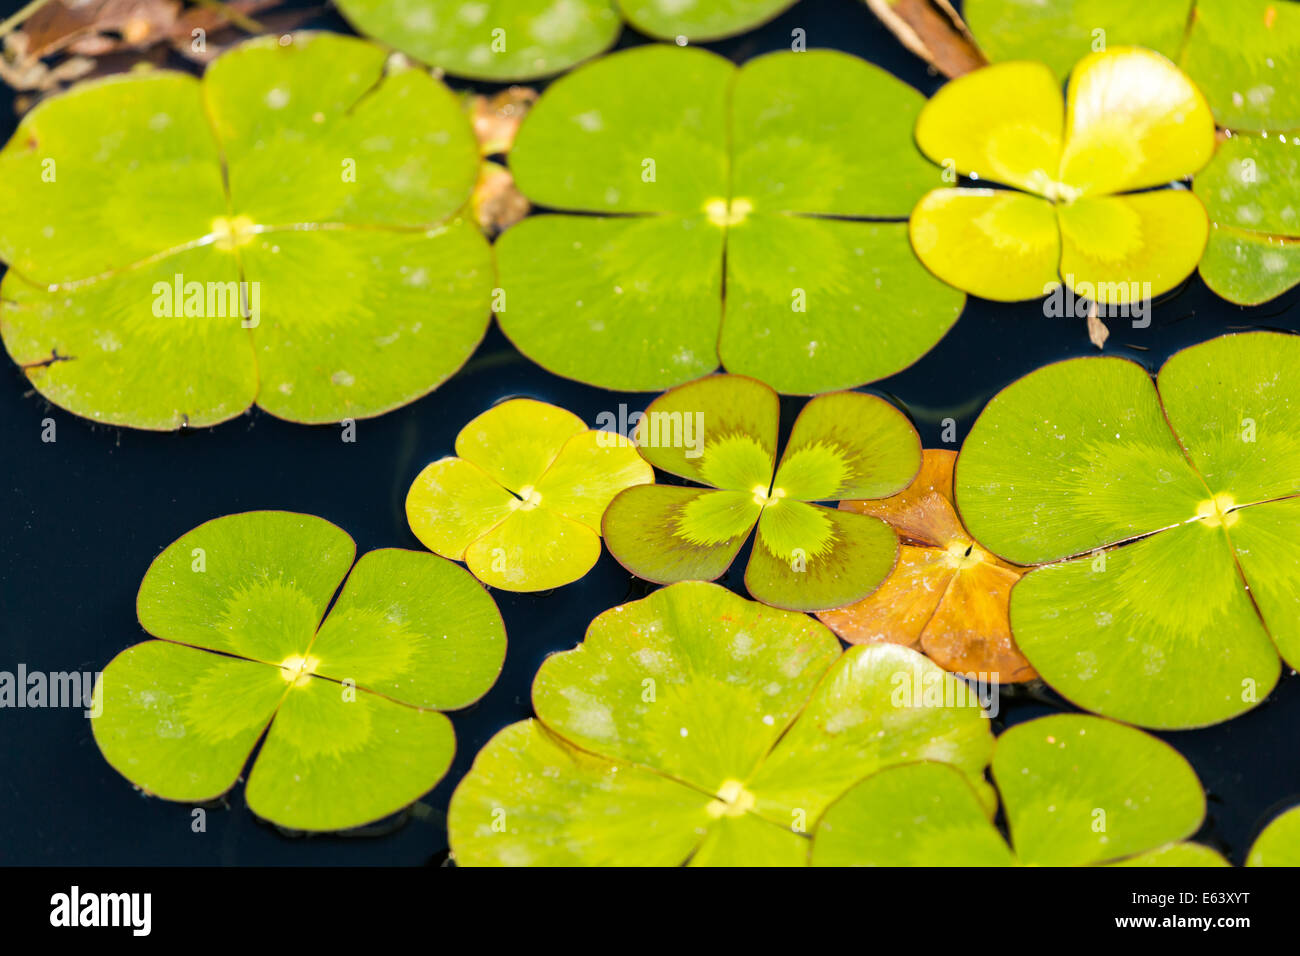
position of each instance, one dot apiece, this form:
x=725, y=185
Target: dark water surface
x=84, y=516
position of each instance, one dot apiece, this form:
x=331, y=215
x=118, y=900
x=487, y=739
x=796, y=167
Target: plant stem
x=7, y=27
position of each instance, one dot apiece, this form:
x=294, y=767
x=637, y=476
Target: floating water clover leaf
x=1244, y=54
x=525, y=39
x=700, y=19
x=682, y=157
x=1087, y=216
x=694, y=725
x=522, y=504
x=347, y=708
x=946, y=596
x=1196, y=477
x=721, y=431
x=1076, y=790
x=1279, y=843
x=283, y=231
x=1252, y=191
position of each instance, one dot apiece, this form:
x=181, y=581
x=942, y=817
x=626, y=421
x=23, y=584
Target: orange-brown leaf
x=898, y=610
x=922, y=513
x=970, y=632
x=947, y=596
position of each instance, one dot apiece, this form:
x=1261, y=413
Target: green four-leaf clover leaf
x=806, y=556
x=702, y=176
x=695, y=726
x=346, y=705
x=284, y=232
x=1166, y=519
x=1076, y=791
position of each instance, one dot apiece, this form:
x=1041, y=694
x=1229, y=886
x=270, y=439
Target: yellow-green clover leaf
x=695, y=726
x=526, y=39
x=1243, y=54
x=1085, y=165
x=1164, y=518
x=1076, y=791
x=1060, y=32
x=721, y=432
x=675, y=176
x=1252, y=191
x=346, y=705
x=284, y=231
x=1279, y=843
x=699, y=20
x=521, y=503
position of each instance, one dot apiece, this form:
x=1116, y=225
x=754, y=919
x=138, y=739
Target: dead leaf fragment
x=934, y=31
x=225, y=24
x=67, y=40
x=1097, y=331
x=497, y=202
x=99, y=26
x=496, y=118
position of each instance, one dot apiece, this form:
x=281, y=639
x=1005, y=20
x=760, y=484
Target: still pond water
x=84, y=516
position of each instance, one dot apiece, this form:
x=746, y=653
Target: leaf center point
x=733, y=800
x=1219, y=510
x=1062, y=193
x=529, y=498
x=960, y=555
x=297, y=669
x=231, y=232
x=763, y=499
x=723, y=213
